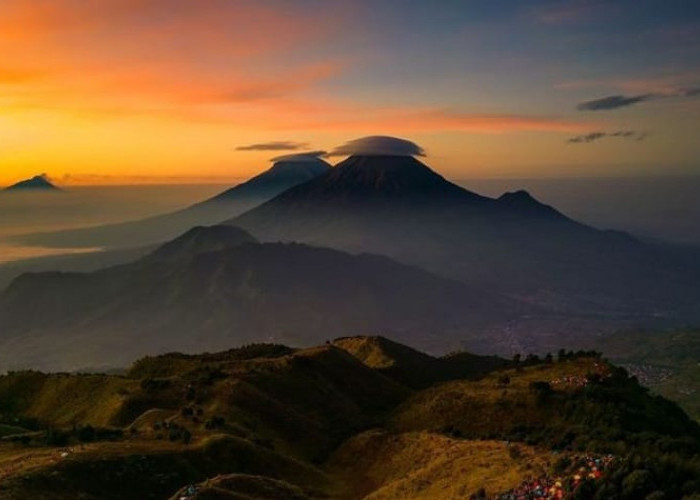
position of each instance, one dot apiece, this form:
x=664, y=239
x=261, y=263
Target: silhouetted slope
x=381, y=179
x=397, y=206
x=198, y=293
x=200, y=240
x=80, y=262
x=281, y=176
x=36, y=183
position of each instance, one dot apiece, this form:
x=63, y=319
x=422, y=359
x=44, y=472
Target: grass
x=142, y=469
x=63, y=400
x=427, y=466
x=322, y=421
x=245, y=487
x=9, y=430
x=684, y=388
x=485, y=407
x=675, y=351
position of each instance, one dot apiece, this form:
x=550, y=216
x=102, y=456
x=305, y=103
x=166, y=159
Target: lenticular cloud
x=306, y=156
x=379, y=145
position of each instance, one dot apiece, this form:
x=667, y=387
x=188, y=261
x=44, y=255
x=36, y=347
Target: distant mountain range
x=215, y=287
x=283, y=174
x=36, y=183
x=448, y=268
x=399, y=207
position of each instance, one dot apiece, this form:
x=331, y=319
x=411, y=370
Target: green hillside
x=266, y=422
x=668, y=362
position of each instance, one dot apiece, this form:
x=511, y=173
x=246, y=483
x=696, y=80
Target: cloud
x=575, y=11
x=379, y=145
x=614, y=102
x=91, y=179
x=305, y=156
x=621, y=101
x=274, y=146
x=690, y=92
x=151, y=56
x=620, y=134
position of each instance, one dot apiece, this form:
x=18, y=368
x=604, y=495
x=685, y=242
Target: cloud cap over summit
x=300, y=157
x=378, y=145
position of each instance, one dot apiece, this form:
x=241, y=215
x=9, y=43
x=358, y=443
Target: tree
x=186, y=436
x=637, y=484
x=86, y=434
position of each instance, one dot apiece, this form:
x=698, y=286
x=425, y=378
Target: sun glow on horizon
x=151, y=91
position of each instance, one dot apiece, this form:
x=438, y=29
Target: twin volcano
x=397, y=206
x=384, y=184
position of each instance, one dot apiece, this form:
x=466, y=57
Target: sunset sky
x=148, y=91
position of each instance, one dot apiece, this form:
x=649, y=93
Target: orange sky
x=116, y=91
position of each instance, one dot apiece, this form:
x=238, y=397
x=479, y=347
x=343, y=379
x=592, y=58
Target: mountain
x=399, y=207
x=36, y=183
x=272, y=422
x=283, y=174
x=217, y=286
x=199, y=240
x=413, y=368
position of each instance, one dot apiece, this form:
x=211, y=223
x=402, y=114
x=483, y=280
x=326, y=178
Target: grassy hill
x=422, y=465
x=340, y=421
x=414, y=368
x=146, y=470
x=242, y=487
x=668, y=362
x=62, y=399
x=559, y=405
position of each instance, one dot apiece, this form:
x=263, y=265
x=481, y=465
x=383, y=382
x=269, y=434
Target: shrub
x=637, y=484
x=54, y=437
x=86, y=434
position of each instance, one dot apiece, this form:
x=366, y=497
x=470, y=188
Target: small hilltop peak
x=519, y=196
x=38, y=182
x=523, y=201
x=201, y=239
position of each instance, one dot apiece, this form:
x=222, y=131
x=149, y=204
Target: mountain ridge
x=154, y=230
x=513, y=244
x=214, y=286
